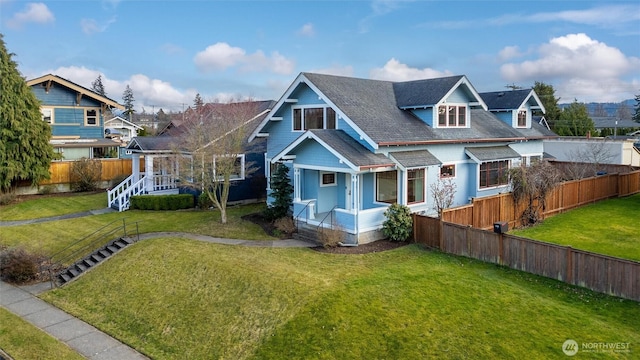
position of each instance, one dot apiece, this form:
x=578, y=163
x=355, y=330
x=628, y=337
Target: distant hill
x=609, y=107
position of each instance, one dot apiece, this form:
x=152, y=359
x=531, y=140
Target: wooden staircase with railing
x=120, y=196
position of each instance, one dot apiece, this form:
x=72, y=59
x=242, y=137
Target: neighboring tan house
x=609, y=150
x=161, y=173
x=76, y=117
x=355, y=146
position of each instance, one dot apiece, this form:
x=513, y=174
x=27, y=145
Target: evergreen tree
x=281, y=191
x=25, y=151
x=198, y=102
x=547, y=95
x=97, y=86
x=575, y=121
x=127, y=98
x=636, y=115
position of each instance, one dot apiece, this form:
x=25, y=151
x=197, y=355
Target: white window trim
x=527, y=120
x=324, y=108
x=455, y=171
x=457, y=105
x=424, y=186
x=335, y=178
x=52, y=114
x=375, y=188
x=242, y=169
x=86, y=117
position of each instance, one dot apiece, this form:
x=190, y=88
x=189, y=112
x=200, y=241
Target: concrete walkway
x=80, y=336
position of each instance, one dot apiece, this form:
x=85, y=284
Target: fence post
x=569, y=259
x=441, y=234
x=501, y=249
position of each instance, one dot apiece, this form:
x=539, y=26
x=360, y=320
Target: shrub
x=331, y=237
x=118, y=179
x=46, y=190
x=162, y=202
x=18, y=266
x=7, y=198
x=85, y=174
x=285, y=225
x=204, y=202
x=399, y=224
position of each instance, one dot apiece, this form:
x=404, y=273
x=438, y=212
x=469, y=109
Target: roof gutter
x=458, y=141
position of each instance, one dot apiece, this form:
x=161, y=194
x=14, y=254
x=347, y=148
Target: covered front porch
x=160, y=175
x=337, y=200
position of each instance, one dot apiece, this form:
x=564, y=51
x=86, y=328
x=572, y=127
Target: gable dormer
x=514, y=107
x=440, y=103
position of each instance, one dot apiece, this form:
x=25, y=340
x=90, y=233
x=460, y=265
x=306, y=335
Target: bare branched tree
x=532, y=184
x=213, y=143
x=443, y=192
x=585, y=161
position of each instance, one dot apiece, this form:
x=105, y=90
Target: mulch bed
x=373, y=247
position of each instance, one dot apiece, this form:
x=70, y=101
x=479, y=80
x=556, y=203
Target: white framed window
x=328, y=179
x=313, y=117
x=522, y=118
x=452, y=115
x=47, y=115
x=234, y=166
x=91, y=117
x=415, y=186
x=494, y=173
x=387, y=187
x=448, y=171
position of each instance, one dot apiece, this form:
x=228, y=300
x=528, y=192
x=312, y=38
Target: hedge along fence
x=482, y=213
x=111, y=168
x=601, y=273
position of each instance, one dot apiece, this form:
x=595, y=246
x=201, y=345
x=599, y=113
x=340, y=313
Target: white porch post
x=355, y=193
x=135, y=167
x=296, y=184
x=148, y=173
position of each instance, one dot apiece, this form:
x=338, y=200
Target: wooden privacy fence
x=111, y=168
x=482, y=213
x=601, y=273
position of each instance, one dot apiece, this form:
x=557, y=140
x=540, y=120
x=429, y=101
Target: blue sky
x=167, y=51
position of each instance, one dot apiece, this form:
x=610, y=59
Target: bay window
x=415, y=186
x=387, y=187
x=494, y=173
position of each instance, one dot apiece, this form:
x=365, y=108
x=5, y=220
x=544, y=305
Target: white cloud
x=91, y=26
x=221, y=56
x=171, y=49
x=581, y=66
x=148, y=93
x=509, y=52
x=307, y=30
x=37, y=13
x=393, y=70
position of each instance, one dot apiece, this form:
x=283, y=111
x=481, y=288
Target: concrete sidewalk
x=80, y=336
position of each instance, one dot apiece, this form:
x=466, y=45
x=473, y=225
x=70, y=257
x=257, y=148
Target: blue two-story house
x=76, y=116
x=355, y=146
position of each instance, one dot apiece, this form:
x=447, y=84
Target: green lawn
x=50, y=237
x=177, y=298
x=607, y=227
x=22, y=340
x=46, y=206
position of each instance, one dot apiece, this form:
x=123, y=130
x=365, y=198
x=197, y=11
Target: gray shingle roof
x=489, y=153
x=152, y=143
x=419, y=93
x=350, y=149
x=505, y=100
x=373, y=105
x=410, y=159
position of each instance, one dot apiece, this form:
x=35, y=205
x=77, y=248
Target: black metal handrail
x=90, y=243
x=297, y=217
x=329, y=214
